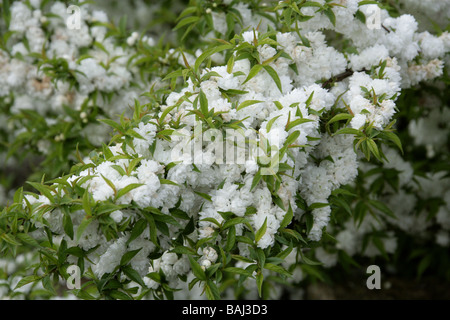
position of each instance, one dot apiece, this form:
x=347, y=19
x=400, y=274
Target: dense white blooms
x=95, y=64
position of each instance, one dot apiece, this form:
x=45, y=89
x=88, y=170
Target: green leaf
x=231, y=239
x=330, y=14
x=340, y=116
x=165, y=181
x=83, y=225
x=186, y=21
x=308, y=261
x=233, y=222
x=86, y=203
x=212, y=220
x=82, y=294
x=277, y=269
x=119, y=295
x=423, y=265
x=26, y=280
x=47, y=284
x=247, y=103
x=238, y=271
x=173, y=74
x=277, y=200
x=318, y=205
x=241, y=258
x=127, y=189
x=44, y=190
x=292, y=138
x=183, y=250
x=68, y=225
x=110, y=184
x=373, y=148
x=297, y=122
x=253, y=72
x=75, y=251
x=209, y=53
x=128, y=256
x=133, y=275
x=10, y=239
x=392, y=137
x=204, y=196
x=383, y=208
x=259, y=282
x=274, y=76
x=347, y=131
x=213, y=291
x=261, y=231
x=152, y=227
x=365, y=2
x=203, y=103
x=25, y=238
x=137, y=230
x=196, y=269
x=112, y=123
x=271, y=122
x=166, y=112
x=287, y=218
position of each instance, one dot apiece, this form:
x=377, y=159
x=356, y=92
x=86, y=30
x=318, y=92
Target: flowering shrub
x=235, y=168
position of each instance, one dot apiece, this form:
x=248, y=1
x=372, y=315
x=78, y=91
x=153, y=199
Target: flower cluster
x=60, y=75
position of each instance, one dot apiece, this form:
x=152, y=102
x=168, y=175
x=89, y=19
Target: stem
x=347, y=73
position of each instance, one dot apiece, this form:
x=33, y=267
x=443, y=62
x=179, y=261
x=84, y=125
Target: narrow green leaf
x=208, y=53
x=137, y=230
x=238, y=271
x=330, y=14
x=247, y=103
x=83, y=225
x=277, y=269
x=287, y=218
x=233, y=222
x=133, y=275
x=347, y=131
x=271, y=122
x=44, y=190
x=261, y=231
x=259, y=282
x=274, y=76
x=128, y=256
x=196, y=269
x=340, y=116
x=68, y=225
x=127, y=189
x=26, y=280
x=253, y=72
x=186, y=21
x=203, y=103
x=297, y=122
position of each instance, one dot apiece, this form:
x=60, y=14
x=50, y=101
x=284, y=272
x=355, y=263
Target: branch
x=338, y=78
x=347, y=73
